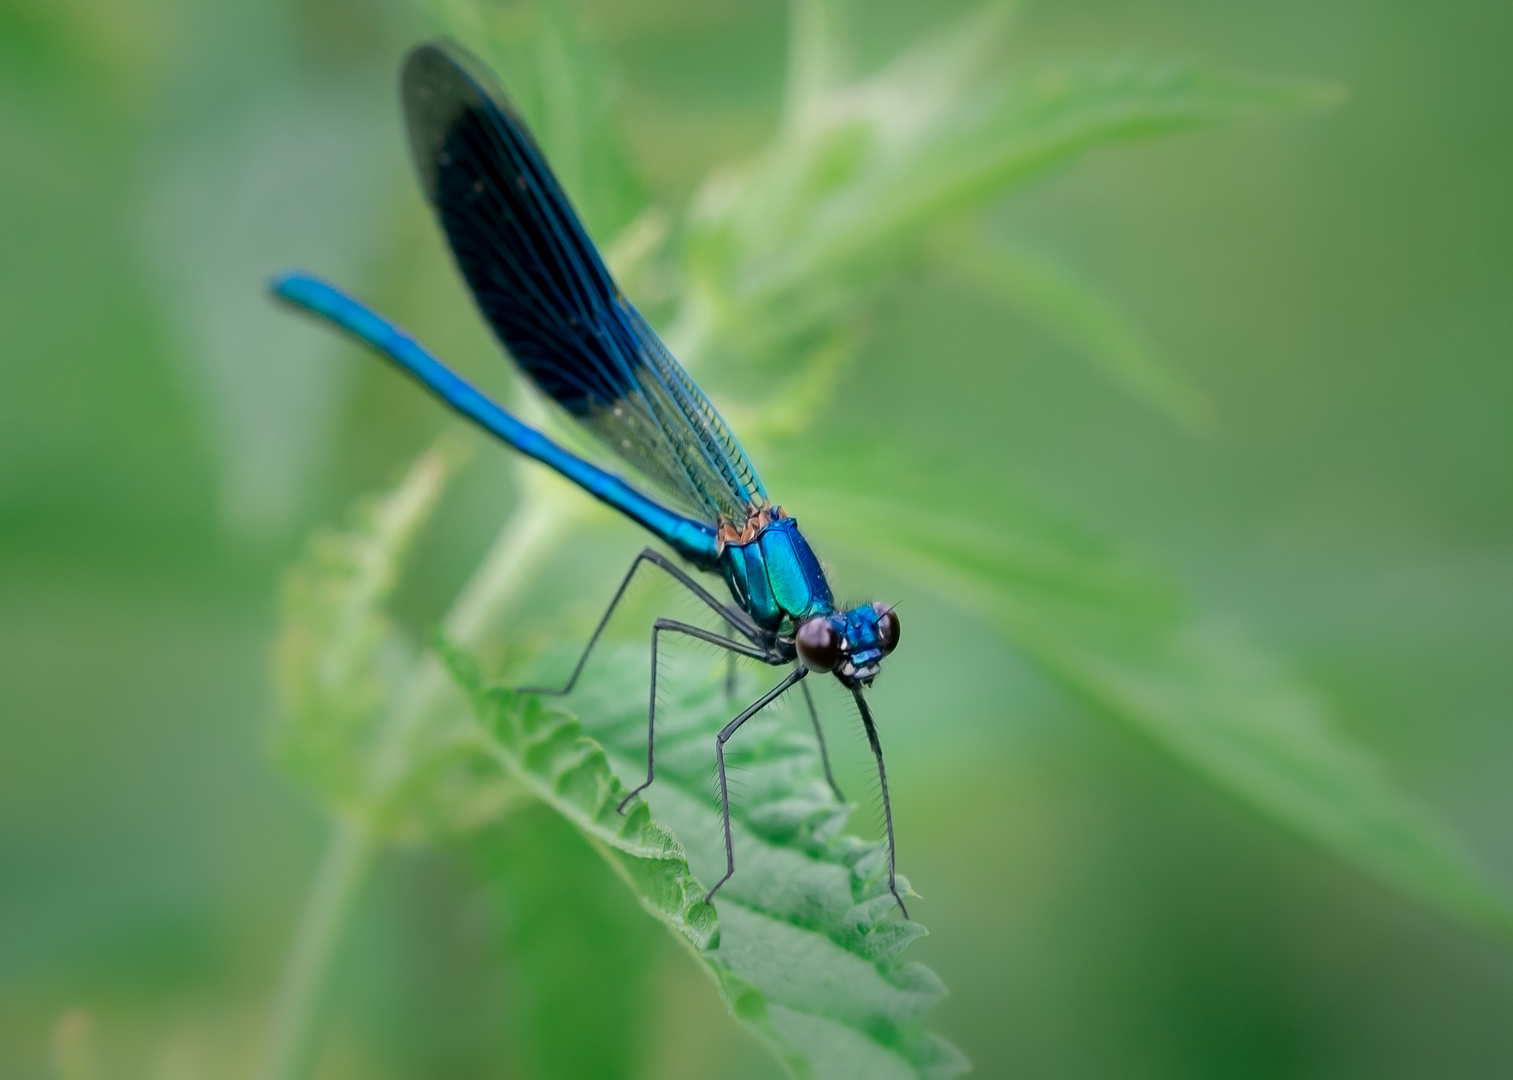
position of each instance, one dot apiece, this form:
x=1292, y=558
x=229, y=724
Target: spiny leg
x=655, y=557
x=719, y=756
x=882, y=775
x=675, y=627
x=730, y=672
x=819, y=736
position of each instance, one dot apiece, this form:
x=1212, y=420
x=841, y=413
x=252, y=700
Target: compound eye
x=887, y=627
x=818, y=644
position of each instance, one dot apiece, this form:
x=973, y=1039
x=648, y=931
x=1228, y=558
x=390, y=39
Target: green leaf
x=943, y=129
x=1124, y=640
x=806, y=951
x=865, y=177
x=338, y=651
x=368, y=720
x=1001, y=133
x=861, y=178
x=558, y=912
x=1080, y=317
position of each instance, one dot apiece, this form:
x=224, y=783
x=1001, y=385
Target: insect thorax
x=774, y=575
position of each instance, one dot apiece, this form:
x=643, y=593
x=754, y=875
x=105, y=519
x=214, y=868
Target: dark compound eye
x=887, y=627
x=818, y=644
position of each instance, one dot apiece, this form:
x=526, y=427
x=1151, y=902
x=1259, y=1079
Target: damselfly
x=542, y=286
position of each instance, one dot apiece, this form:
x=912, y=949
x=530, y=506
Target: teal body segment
x=776, y=578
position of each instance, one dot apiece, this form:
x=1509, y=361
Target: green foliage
x=1082, y=318
x=868, y=179
x=866, y=173
x=1328, y=282
x=544, y=750
x=557, y=910
x=339, y=653
x=364, y=719
x=805, y=953
x=1122, y=638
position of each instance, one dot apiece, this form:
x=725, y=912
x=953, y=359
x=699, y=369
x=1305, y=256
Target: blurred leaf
x=1122, y=639
x=356, y=723
x=1081, y=318
x=864, y=177
x=805, y=952
x=941, y=130
x=364, y=723
x=567, y=922
x=338, y=651
x=817, y=53
x=862, y=180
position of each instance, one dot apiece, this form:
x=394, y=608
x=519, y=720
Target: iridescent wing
x=541, y=284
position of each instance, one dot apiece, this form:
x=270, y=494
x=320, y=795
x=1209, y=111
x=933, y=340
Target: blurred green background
x=1335, y=282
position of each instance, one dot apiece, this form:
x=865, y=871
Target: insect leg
x=882, y=775
x=719, y=755
x=672, y=626
x=819, y=736
x=655, y=557
x=730, y=674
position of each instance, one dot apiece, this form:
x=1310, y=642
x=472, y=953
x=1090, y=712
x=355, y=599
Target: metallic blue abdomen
x=776, y=576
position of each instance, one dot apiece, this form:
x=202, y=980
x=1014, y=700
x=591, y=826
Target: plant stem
x=808, y=58
x=287, y=1049
x=530, y=531
x=526, y=537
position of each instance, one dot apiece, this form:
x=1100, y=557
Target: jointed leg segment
x=742, y=638
x=675, y=627
x=819, y=737
x=719, y=755
x=655, y=557
x=882, y=775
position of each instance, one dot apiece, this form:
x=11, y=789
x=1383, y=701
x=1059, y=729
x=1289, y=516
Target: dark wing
x=541, y=284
